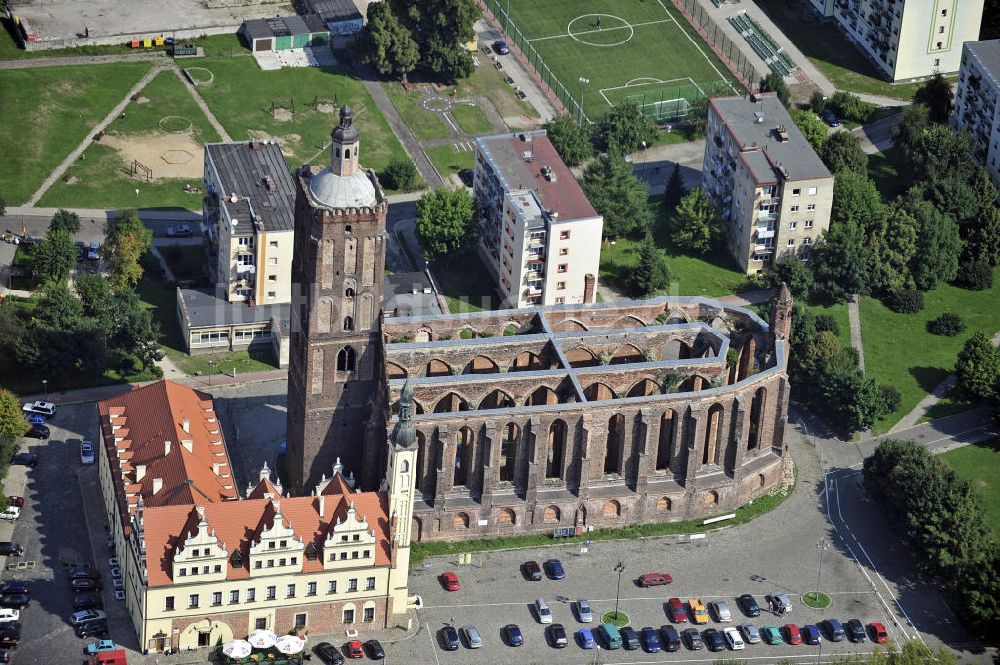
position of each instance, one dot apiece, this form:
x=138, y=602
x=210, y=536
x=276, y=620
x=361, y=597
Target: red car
x=879, y=634
x=450, y=581
x=655, y=579
x=16, y=501
x=678, y=613
x=792, y=634
x=353, y=649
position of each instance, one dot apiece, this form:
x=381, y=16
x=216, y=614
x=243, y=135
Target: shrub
x=948, y=324
x=891, y=397
x=399, y=174
x=905, y=301
x=976, y=277
x=851, y=107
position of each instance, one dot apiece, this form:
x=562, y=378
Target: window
x=251, y=595
x=349, y=615
x=563, y=267
x=311, y=589
x=352, y=584
x=366, y=554
x=792, y=225
x=273, y=261
x=369, y=614
x=294, y=560
x=937, y=62
x=791, y=242
x=272, y=294
x=245, y=259
x=195, y=552
x=260, y=624
x=563, y=251
x=194, y=570
x=796, y=192
x=273, y=279
x=369, y=584
x=811, y=206
x=812, y=191
x=168, y=604
x=242, y=293
x=244, y=242
x=217, y=568
x=282, y=562
x=534, y=266
x=343, y=556
x=257, y=565
x=560, y=285
x=272, y=243
x=283, y=543
x=354, y=555
x=270, y=545
x=300, y=619
x=272, y=592
x=560, y=301
x=944, y=12
x=270, y=563
x=938, y=45
x=794, y=209
x=183, y=572
x=940, y=29
x=332, y=587
x=807, y=241
x=808, y=224
x=234, y=597
x=193, y=601
x=216, y=598
x=290, y=591
x=564, y=235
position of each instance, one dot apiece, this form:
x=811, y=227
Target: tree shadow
x=928, y=378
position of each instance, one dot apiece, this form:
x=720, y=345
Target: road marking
x=660, y=599
x=608, y=29
x=434, y=647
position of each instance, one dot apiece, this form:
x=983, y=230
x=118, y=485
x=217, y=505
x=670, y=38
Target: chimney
x=157, y=485
x=322, y=506
x=186, y=425
x=166, y=448
x=189, y=444
x=140, y=472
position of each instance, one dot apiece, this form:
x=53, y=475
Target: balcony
x=248, y=268
x=764, y=216
x=765, y=232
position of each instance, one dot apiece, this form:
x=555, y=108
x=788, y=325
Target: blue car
x=36, y=419
x=501, y=47
x=586, y=638
x=513, y=634
x=555, y=570
x=650, y=640
x=830, y=118
x=810, y=634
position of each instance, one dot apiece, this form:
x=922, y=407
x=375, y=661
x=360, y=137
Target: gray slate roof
x=283, y=26
x=796, y=155
x=334, y=10
x=988, y=54
x=405, y=295
x=243, y=170
x=202, y=309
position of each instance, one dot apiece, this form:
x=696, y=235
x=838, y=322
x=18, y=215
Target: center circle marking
x=624, y=24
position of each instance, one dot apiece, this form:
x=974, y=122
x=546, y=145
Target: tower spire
x=404, y=434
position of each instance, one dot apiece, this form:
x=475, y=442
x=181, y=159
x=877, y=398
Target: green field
x=447, y=159
x=47, y=112
x=900, y=352
x=979, y=463
x=425, y=125
x=643, y=49
x=103, y=179
x=471, y=119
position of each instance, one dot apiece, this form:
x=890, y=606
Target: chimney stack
x=322, y=506
x=157, y=485
x=140, y=472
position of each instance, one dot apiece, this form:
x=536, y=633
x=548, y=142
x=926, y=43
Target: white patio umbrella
x=289, y=644
x=237, y=649
x=261, y=639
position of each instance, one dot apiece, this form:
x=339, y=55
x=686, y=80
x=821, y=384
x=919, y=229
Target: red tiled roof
x=238, y=523
x=150, y=416
x=264, y=486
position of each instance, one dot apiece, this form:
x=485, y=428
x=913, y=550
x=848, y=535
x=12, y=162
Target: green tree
x=12, y=421
x=791, y=271
x=439, y=29
x=915, y=120
x=624, y=127
x=941, y=152
x=936, y=94
x=388, y=44
x=66, y=221
x=811, y=127
x=618, y=195
x=938, y=244
x=675, y=190
x=696, y=225
x=399, y=174
x=55, y=257
x=444, y=220
x=817, y=101
x=840, y=261
x=842, y=152
x=447, y=59
x=892, y=242
x=651, y=275
x=132, y=332
x=775, y=82
x=978, y=367
x=569, y=139
x=857, y=399
x=125, y=241
x=856, y=199
x=982, y=239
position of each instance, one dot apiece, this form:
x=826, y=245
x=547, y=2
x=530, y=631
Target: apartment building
x=976, y=102
x=907, y=39
x=201, y=565
x=540, y=238
x=774, y=192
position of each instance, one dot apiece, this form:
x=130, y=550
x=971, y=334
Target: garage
x=282, y=33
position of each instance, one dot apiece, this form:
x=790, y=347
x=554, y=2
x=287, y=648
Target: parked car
x=586, y=638
x=721, y=611
x=855, y=630
x=449, y=638
x=512, y=633
x=630, y=638
x=501, y=47
x=16, y=587
x=40, y=432
x=544, y=613
x=353, y=649
x=24, y=459
x=830, y=118
x=36, y=419
x=179, y=231
x=84, y=616
x=779, y=602
x=879, y=633
x=450, y=581
x=41, y=408
x=533, y=571
x=555, y=570
x=698, y=612
x=772, y=635
x=11, y=514
x=86, y=452
x=8, y=548
x=94, y=251
x=693, y=639
x=97, y=628
x=750, y=633
x=749, y=605
x=101, y=645
x=87, y=601
x=85, y=584
x=810, y=634
x=654, y=579
x=713, y=639
x=733, y=638
x=669, y=638
x=10, y=635
x=375, y=650
x=583, y=611
x=15, y=601
x=328, y=653
x=835, y=630
x=792, y=634
x=17, y=501
x=7, y=614
x=650, y=640
x=472, y=637
x=84, y=573
x=610, y=635
x=557, y=635
x=676, y=610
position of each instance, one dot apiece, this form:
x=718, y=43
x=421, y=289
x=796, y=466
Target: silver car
x=779, y=602
x=721, y=611
x=472, y=636
x=583, y=611
x=750, y=633
x=544, y=613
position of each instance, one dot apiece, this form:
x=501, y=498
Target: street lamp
x=583, y=81
x=619, y=568
x=823, y=544
x=45, y=388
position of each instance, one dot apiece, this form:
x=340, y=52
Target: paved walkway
x=854, y=314
x=204, y=107
x=876, y=136
x=33, y=63
x=542, y=100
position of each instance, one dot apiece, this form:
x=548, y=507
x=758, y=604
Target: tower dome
x=343, y=184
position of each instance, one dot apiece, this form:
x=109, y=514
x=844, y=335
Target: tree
x=66, y=221
x=938, y=244
x=697, y=226
x=675, y=190
x=618, y=195
x=625, y=128
x=978, y=367
x=817, y=101
x=132, y=331
x=892, y=242
x=13, y=424
x=439, y=29
x=840, y=261
x=569, y=139
x=856, y=199
x=941, y=152
x=125, y=241
x=791, y=271
x=775, y=82
x=652, y=274
x=447, y=59
x=842, y=152
x=399, y=174
x=387, y=43
x=852, y=107
x=915, y=120
x=55, y=257
x=857, y=399
x=444, y=219
x=811, y=127
x=936, y=94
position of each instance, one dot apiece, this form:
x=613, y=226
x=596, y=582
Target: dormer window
x=236, y=559
x=311, y=553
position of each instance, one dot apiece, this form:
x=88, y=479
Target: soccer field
x=639, y=50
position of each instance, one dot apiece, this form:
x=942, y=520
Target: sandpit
x=325, y=107
x=282, y=115
x=169, y=155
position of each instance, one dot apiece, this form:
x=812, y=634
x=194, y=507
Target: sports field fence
x=715, y=36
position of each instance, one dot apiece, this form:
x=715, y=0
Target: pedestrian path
x=204, y=107
x=854, y=315
x=34, y=63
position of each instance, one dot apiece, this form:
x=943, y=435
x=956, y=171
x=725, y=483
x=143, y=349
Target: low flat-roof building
x=342, y=17
x=285, y=32
x=209, y=324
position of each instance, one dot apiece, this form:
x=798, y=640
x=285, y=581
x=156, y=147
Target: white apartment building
x=976, y=102
x=907, y=39
x=540, y=238
x=774, y=192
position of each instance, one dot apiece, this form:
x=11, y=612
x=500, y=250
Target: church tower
x=399, y=483
x=337, y=273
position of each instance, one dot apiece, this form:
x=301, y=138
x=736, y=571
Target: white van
x=12, y=513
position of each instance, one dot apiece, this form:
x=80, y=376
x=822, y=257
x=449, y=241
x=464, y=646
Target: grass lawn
x=830, y=51
x=447, y=159
x=186, y=262
x=244, y=362
x=242, y=95
x=636, y=51
x=839, y=314
x=489, y=82
x=979, y=463
x=45, y=114
x=465, y=284
x=900, y=352
x=103, y=179
x=471, y=119
x=885, y=168
x=425, y=125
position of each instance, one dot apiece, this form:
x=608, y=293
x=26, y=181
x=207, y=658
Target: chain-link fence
x=670, y=103
x=713, y=34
